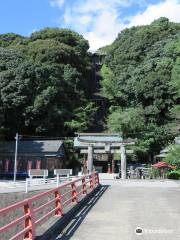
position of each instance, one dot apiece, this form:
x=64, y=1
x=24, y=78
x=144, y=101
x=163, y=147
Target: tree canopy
x=45, y=80
x=46, y=84
x=173, y=156
x=141, y=80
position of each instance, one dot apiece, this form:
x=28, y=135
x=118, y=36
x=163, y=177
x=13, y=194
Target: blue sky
x=99, y=21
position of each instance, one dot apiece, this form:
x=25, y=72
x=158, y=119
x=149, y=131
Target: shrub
x=173, y=157
x=154, y=173
x=174, y=174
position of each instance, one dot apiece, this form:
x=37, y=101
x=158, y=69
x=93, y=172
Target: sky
x=99, y=21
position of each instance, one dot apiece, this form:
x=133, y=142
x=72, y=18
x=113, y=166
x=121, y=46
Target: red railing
x=68, y=193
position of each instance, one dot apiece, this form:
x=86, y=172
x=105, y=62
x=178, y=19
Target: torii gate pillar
x=90, y=159
x=123, y=162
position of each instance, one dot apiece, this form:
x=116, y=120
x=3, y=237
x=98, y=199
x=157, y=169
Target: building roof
x=162, y=155
x=44, y=147
x=177, y=140
x=166, y=150
x=101, y=139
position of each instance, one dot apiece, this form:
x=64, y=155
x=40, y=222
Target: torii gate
x=102, y=143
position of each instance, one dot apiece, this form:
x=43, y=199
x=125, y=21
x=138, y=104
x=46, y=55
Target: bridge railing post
x=58, y=211
x=71, y=190
x=74, y=192
x=96, y=176
x=84, y=185
x=91, y=181
x=29, y=221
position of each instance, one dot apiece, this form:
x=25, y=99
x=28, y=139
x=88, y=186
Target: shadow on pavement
x=76, y=221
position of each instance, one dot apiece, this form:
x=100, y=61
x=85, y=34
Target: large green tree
x=173, y=156
x=141, y=79
x=44, y=81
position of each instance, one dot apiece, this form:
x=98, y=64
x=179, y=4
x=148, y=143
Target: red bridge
x=84, y=209
x=30, y=213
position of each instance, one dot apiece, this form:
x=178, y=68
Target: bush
x=173, y=157
x=154, y=173
x=175, y=174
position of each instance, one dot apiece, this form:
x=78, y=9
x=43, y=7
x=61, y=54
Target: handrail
x=69, y=189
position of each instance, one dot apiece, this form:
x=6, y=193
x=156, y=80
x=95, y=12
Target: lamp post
x=17, y=137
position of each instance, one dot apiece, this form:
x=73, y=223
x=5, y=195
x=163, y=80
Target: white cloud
x=78, y=22
x=97, y=20
x=58, y=3
x=105, y=29
x=100, y=20
x=100, y=5
x=168, y=8
x=85, y=19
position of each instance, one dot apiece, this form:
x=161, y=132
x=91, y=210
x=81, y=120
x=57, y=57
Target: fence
x=31, y=184
x=67, y=194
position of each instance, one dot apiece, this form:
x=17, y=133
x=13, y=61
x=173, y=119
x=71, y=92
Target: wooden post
x=123, y=162
x=74, y=193
x=29, y=222
x=84, y=185
x=91, y=181
x=97, y=178
x=58, y=211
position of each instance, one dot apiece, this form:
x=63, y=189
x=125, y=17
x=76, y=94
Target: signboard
x=62, y=172
x=100, y=157
x=38, y=172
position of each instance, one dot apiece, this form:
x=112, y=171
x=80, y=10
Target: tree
x=141, y=69
x=173, y=156
x=127, y=121
x=83, y=118
x=108, y=87
x=44, y=80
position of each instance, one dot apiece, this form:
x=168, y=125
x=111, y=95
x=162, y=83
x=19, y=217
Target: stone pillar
x=90, y=159
x=84, y=167
x=123, y=162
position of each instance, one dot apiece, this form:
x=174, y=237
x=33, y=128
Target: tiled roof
x=103, y=138
x=35, y=146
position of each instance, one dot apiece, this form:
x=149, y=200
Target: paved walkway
x=8, y=186
x=122, y=206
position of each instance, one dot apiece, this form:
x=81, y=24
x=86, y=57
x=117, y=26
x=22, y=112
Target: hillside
x=45, y=83
x=141, y=80
x=49, y=83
